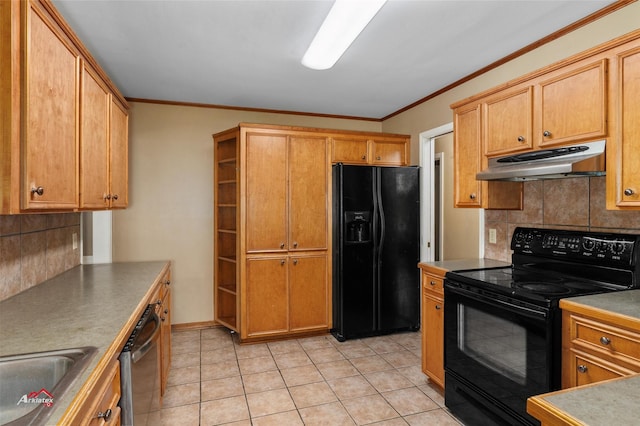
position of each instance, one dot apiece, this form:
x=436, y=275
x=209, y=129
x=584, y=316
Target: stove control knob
x=617, y=248
x=588, y=244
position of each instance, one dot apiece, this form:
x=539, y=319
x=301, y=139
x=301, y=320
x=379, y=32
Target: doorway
x=446, y=232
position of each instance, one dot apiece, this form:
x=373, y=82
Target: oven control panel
x=605, y=248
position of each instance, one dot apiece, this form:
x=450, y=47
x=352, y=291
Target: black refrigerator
x=376, y=250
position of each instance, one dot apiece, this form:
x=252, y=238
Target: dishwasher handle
x=139, y=353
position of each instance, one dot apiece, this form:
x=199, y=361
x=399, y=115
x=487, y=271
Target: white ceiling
x=247, y=53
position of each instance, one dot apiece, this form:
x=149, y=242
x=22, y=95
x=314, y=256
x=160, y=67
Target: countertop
x=444, y=266
x=610, y=402
x=88, y=305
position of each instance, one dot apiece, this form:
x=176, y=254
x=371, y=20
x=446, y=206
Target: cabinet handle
x=582, y=368
x=166, y=311
x=107, y=196
x=520, y=138
x=378, y=158
x=295, y=244
x=364, y=157
x=432, y=283
x=159, y=302
x=295, y=261
x=605, y=340
x=167, y=282
x=546, y=133
x=282, y=262
x=472, y=196
x=627, y=192
x=115, y=196
x=438, y=307
x=281, y=245
x=37, y=191
x=104, y=415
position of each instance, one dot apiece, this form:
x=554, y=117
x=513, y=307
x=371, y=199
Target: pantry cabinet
x=55, y=120
x=433, y=324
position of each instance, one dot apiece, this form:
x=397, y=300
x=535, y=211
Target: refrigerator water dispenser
x=358, y=226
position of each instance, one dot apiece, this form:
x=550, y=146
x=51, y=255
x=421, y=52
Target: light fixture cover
x=345, y=21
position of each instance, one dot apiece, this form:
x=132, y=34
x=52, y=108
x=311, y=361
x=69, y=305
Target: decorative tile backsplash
x=36, y=247
x=577, y=203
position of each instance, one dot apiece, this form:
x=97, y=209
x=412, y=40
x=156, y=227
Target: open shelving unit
x=226, y=220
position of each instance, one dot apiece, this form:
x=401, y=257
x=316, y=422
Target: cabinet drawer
x=612, y=340
x=588, y=369
x=433, y=283
x=107, y=411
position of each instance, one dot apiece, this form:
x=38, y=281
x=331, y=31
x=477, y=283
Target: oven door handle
x=511, y=307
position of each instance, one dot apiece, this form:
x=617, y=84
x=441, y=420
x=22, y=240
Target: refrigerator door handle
x=381, y=217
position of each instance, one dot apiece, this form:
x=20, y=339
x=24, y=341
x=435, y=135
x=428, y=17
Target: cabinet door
x=308, y=292
x=466, y=157
x=433, y=334
x=50, y=150
x=573, y=105
x=508, y=120
x=626, y=161
x=389, y=153
x=350, y=150
x=119, y=156
x=266, y=192
x=94, y=143
x=308, y=166
x=165, y=340
x=267, y=300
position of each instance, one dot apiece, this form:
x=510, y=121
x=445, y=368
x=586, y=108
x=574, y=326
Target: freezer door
x=399, y=252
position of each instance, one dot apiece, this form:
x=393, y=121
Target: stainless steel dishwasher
x=139, y=367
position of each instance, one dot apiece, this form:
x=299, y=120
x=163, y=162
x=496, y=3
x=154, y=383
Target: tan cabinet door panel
x=267, y=302
x=266, y=194
x=50, y=146
x=119, y=156
x=308, y=289
x=308, y=193
x=351, y=151
x=466, y=140
x=508, y=122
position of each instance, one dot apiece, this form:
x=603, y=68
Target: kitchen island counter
x=603, y=403
x=441, y=267
x=89, y=305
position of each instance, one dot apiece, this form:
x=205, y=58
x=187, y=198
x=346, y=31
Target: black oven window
x=497, y=343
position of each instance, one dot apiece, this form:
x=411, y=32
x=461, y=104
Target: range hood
x=585, y=159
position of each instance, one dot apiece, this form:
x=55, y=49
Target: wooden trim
x=619, y=320
x=329, y=133
x=195, y=326
x=545, y=40
x=237, y=108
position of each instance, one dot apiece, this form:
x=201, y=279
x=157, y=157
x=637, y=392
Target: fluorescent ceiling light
x=345, y=21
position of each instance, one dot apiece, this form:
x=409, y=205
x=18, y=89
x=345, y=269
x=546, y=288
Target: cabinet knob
x=282, y=262
x=281, y=245
x=115, y=196
x=432, y=282
x=295, y=244
x=438, y=307
x=605, y=340
x=546, y=133
x=37, y=191
x=159, y=302
x=295, y=261
x=627, y=192
x=520, y=138
x=582, y=368
x=378, y=158
x=167, y=282
x=472, y=196
x=104, y=415
x=364, y=157
x=106, y=196
x=166, y=311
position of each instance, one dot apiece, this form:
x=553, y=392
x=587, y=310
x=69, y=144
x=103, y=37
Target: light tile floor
x=310, y=381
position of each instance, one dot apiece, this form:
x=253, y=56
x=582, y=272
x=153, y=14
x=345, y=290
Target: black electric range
x=502, y=332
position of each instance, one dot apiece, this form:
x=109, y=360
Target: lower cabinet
x=594, y=350
x=101, y=405
x=433, y=327
x=286, y=294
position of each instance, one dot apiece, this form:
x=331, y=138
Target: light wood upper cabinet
x=94, y=134
x=55, y=108
x=50, y=143
x=623, y=187
x=572, y=104
x=118, y=156
x=508, y=122
x=368, y=149
x=466, y=157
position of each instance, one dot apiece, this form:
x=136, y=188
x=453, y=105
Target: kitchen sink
x=30, y=384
